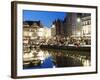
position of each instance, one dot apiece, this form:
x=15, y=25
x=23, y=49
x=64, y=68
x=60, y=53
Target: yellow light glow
x=78, y=34
x=86, y=63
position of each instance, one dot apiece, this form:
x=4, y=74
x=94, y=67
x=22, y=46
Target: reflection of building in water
x=55, y=58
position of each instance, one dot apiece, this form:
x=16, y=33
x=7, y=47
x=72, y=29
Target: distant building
x=66, y=27
x=30, y=34
x=44, y=33
x=86, y=25
x=32, y=23
x=53, y=30
x=77, y=25
x=30, y=28
x=59, y=28
x=86, y=28
x=70, y=24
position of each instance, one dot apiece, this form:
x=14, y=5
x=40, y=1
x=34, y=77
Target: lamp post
x=78, y=31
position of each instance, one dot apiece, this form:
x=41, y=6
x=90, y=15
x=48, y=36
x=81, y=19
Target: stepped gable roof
x=38, y=23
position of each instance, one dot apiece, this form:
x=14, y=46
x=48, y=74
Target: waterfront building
x=44, y=33
x=53, y=30
x=86, y=26
x=70, y=24
x=30, y=35
x=30, y=28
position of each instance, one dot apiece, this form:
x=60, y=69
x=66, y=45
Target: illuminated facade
x=30, y=34
x=86, y=26
x=59, y=27
x=71, y=24
x=30, y=28
x=53, y=30
x=67, y=27
x=44, y=33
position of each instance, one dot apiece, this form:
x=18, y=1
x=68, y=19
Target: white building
x=44, y=33
x=86, y=26
x=53, y=30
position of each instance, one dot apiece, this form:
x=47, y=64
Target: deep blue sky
x=45, y=17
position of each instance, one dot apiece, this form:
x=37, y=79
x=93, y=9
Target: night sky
x=46, y=17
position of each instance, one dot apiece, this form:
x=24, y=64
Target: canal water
x=51, y=58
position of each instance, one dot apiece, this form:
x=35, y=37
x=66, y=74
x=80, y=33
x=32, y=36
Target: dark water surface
x=39, y=58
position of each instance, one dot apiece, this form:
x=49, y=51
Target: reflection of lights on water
x=25, y=41
x=83, y=59
x=40, y=53
x=86, y=63
x=30, y=34
x=54, y=66
x=43, y=55
x=46, y=54
x=41, y=62
x=28, y=55
x=80, y=58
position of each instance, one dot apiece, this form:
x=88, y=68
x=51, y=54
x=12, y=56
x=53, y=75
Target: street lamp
x=78, y=19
